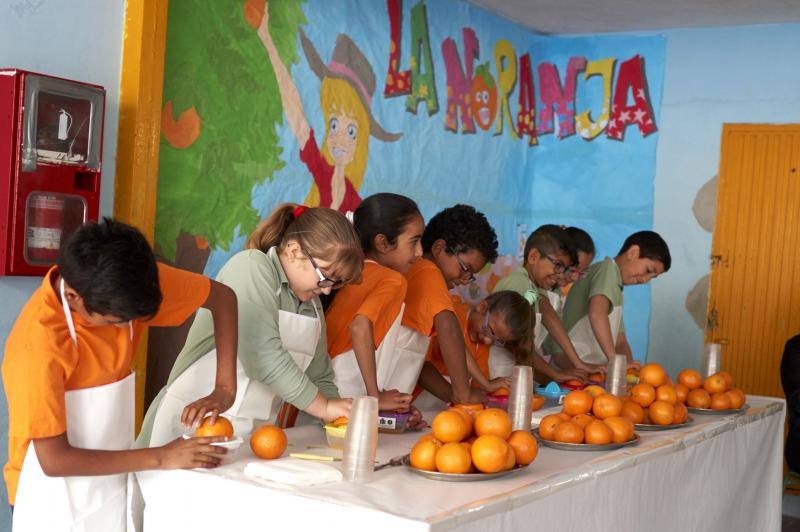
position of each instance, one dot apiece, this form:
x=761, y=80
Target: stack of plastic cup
x=712, y=359
x=519, y=400
x=616, y=376
x=361, y=440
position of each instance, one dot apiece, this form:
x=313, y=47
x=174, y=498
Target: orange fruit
x=493, y=421
x=662, y=413
x=472, y=408
x=646, y=418
x=453, y=458
x=690, y=378
x=621, y=427
x=467, y=417
x=578, y=402
x=596, y=377
x=489, y=453
x=222, y=427
x=423, y=454
x=548, y=424
x=681, y=414
x=268, y=442
x=564, y=417
x=633, y=411
x=666, y=393
x=720, y=401
x=537, y=402
x=715, y=384
x=728, y=379
x=607, y=405
x=698, y=398
x=644, y=394
x=511, y=458
x=501, y=392
x=427, y=437
x=595, y=390
x=652, y=374
x=573, y=382
x=598, y=432
x=583, y=420
x=339, y=421
x=568, y=432
x=736, y=397
x=681, y=391
x=525, y=446
x=468, y=446
x=450, y=426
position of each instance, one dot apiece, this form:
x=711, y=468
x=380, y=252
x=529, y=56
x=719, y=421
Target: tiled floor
x=791, y=513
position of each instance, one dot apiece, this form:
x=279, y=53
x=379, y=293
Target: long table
x=720, y=473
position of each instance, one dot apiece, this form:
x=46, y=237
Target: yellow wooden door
x=754, y=301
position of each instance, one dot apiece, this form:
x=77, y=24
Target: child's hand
x=217, y=401
x=476, y=396
x=188, y=453
x=415, y=421
x=570, y=374
x=336, y=408
x=394, y=401
x=499, y=382
x=592, y=368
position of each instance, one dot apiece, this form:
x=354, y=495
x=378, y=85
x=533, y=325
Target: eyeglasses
x=465, y=271
x=486, y=330
x=576, y=274
x=558, y=266
x=324, y=282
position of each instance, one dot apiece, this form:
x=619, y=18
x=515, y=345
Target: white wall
x=713, y=76
x=76, y=39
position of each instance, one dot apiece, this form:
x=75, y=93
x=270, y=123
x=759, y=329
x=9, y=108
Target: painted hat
x=349, y=63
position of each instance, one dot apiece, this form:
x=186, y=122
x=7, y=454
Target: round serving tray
x=643, y=426
x=587, y=446
x=458, y=477
x=710, y=412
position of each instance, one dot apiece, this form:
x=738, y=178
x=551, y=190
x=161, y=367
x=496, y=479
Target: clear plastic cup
x=519, y=399
x=361, y=440
x=616, y=376
x=712, y=359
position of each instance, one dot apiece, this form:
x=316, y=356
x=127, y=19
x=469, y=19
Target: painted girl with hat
x=348, y=85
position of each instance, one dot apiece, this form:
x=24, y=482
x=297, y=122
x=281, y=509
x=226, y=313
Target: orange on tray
x=450, y=426
x=222, y=427
x=268, y=442
x=493, y=421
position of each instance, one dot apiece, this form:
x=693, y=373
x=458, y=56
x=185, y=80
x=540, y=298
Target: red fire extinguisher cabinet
x=51, y=142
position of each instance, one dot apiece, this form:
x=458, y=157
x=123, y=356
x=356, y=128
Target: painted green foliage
x=216, y=63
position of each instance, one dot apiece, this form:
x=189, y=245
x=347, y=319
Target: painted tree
x=223, y=141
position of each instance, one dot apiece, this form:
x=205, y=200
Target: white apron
x=255, y=402
x=404, y=367
x=585, y=342
x=97, y=418
x=347, y=374
x=501, y=362
x=556, y=301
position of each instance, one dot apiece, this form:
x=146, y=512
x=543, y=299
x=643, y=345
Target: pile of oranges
x=589, y=416
x=717, y=391
x=655, y=400
x=469, y=441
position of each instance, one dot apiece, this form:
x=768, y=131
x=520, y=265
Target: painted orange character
x=484, y=97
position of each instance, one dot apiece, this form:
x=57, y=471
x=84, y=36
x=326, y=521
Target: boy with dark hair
x=549, y=253
x=457, y=244
x=593, y=311
x=67, y=377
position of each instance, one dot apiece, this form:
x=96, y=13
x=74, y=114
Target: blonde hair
x=323, y=233
x=339, y=96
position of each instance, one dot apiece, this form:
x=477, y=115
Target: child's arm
x=599, y=306
x=624, y=348
x=362, y=336
x=451, y=345
x=60, y=459
x=552, y=322
x=540, y=365
x=431, y=380
x=476, y=373
x=221, y=302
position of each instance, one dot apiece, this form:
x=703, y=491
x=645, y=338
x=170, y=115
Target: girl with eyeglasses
x=292, y=257
x=364, y=319
x=503, y=319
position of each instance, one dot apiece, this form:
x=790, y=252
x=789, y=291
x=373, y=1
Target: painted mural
x=328, y=102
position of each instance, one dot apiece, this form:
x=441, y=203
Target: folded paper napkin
x=293, y=472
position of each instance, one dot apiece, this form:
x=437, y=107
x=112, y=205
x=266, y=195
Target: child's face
x=489, y=327
x=578, y=271
x=342, y=137
x=406, y=250
x=458, y=268
x=302, y=274
x=638, y=270
x=547, y=269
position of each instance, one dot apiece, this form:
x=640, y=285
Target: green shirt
x=261, y=290
x=518, y=281
x=603, y=278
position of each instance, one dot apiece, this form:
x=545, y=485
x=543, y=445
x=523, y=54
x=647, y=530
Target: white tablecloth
x=721, y=473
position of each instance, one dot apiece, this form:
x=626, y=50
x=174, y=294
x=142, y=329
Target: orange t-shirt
x=427, y=296
x=42, y=363
x=379, y=298
x=479, y=350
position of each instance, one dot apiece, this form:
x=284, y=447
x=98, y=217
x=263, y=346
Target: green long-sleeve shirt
x=262, y=290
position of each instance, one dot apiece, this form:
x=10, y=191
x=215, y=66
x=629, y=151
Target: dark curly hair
x=463, y=228
x=112, y=267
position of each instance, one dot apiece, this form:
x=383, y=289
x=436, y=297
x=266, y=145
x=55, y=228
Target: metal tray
x=458, y=477
x=642, y=426
x=587, y=446
x=708, y=411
